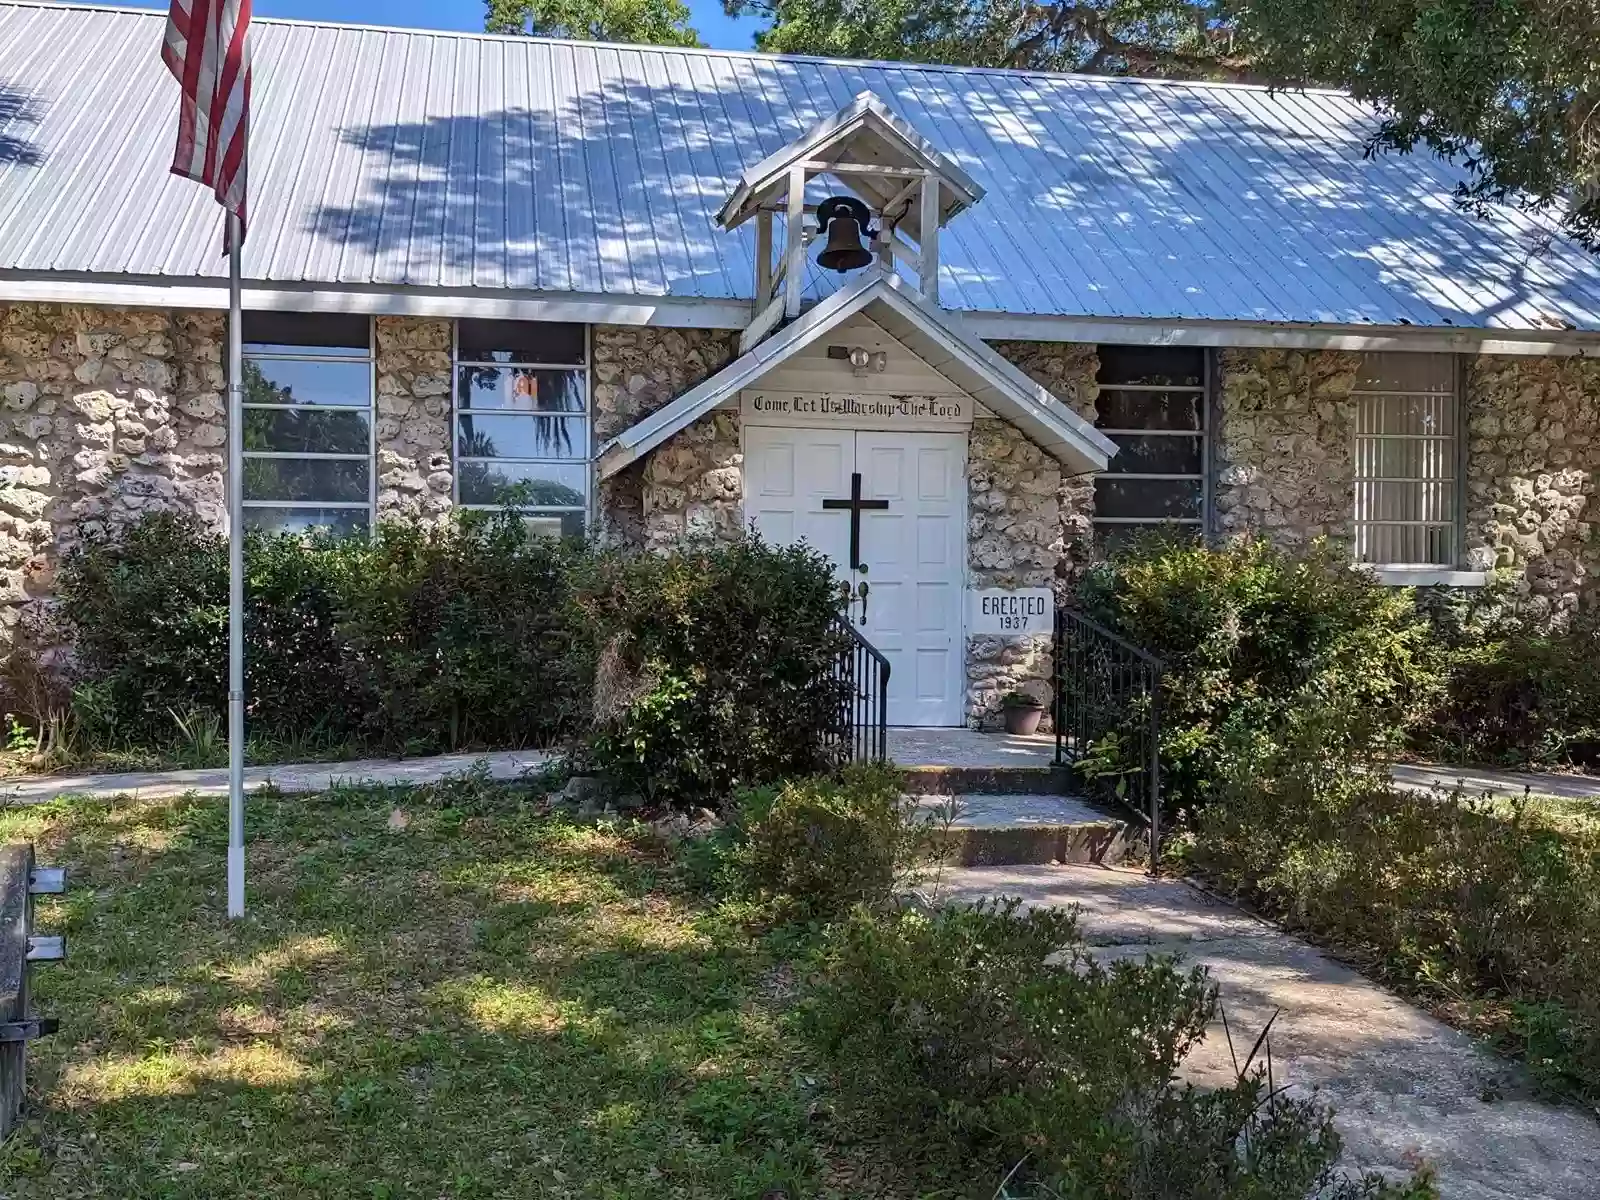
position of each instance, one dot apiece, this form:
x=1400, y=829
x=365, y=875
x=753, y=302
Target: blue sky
x=716, y=28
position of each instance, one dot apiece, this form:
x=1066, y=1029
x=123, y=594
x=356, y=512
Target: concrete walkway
x=1405, y=1087
x=291, y=778
x=1476, y=781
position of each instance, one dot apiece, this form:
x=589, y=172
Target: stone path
x=294, y=778
x=969, y=748
x=1405, y=1087
x=1477, y=780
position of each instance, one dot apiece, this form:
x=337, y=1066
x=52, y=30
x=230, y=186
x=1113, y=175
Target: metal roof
x=407, y=158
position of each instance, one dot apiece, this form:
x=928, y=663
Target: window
x=522, y=421
x=1152, y=404
x=1407, y=456
x=307, y=421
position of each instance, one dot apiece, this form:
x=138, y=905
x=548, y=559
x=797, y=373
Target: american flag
x=207, y=52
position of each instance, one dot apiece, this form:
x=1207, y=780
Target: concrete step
x=1010, y=829
x=942, y=780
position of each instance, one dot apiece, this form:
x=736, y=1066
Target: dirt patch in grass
x=475, y=1005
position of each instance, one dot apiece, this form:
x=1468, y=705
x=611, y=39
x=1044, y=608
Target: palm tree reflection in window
x=533, y=392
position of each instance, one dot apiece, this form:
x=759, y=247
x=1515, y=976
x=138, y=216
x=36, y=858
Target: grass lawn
x=437, y=993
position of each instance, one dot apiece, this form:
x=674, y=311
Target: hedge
x=472, y=633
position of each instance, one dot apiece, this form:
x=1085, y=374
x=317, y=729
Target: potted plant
x=1021, y=711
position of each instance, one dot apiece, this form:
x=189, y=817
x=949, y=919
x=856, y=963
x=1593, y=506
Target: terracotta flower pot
x=1023, y=720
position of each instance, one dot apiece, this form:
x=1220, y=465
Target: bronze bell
x=844, y=218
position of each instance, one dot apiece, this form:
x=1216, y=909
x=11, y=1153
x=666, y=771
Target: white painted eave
x=1266, y=335
x=689, y=312
x=935, y=336
x=134, y=291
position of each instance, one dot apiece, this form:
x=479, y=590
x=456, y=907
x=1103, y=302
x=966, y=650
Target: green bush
x=996, y=1035
x=147, y=616
x=420, y=639
x=814, y=847
x=462, y=634
x=1453, y=897
x=714, y=667
x=1246, y=631
x=298, y=682
x=1518, y=694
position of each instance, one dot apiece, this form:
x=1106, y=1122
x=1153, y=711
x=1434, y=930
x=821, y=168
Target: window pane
x=306, y=479
x=519, y=341
x=1155, y=455
x=1114, y=497
x=1433, y=416
x=1421, y=501
x=504, y=435
x=1149, y=410
x=279, y=381
x=1120, y=536
x=302, y=520
x=316, y=431
x=514, y=389
x=1413, y=545
x=1152, y=364
x=1399, y=372
x=316, y=333
x=1405, y=458
x=545, y=485
x=569, y=524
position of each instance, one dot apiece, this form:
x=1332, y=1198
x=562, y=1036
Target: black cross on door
x=857, y=506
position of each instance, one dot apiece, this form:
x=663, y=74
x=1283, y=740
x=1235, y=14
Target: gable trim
x=1001, y=387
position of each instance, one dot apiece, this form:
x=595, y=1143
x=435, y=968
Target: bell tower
x=865, y=183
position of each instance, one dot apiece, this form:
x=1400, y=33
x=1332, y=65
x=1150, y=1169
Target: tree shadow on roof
x=20, y=112
x=1104, y=198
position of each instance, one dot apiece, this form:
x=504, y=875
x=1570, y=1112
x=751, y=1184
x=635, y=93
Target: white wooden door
x=915, y=556
x=914, y=550
x=788, y=474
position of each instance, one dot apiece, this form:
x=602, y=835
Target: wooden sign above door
x=855, y=411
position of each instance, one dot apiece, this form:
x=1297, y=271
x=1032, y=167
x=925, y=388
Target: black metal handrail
x=861, y=672
x=1108, y=716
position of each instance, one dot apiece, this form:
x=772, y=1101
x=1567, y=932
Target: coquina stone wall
x=415, y=476
x=1284, y=444
x=695, y=481
x=1029, y=524
x=1014, y=540
x=1067, y=370
x=693, y=486
x=105, y=415
x=1533, y=465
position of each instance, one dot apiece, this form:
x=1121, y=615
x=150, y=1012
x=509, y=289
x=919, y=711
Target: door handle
x=862, y=592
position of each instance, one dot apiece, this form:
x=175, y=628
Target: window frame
x=587, y=415
x=1414, y=572
x=1201, y=523
x=311, y=354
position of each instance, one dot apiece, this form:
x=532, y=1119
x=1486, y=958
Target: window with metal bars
x=522, y=421
x=1407, y=461
x=1152, y=404
x=308, y=450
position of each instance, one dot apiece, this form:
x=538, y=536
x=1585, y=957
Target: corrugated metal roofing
x=434, y=160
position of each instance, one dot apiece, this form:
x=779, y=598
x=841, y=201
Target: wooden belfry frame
x=912, y=189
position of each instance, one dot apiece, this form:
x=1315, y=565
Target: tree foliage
x=1508, y=88
x=648, y=22
x=1187, y=38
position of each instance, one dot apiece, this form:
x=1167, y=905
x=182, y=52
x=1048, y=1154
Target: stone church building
x=960, y=329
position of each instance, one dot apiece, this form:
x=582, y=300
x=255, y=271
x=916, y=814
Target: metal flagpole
x=235, y=574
